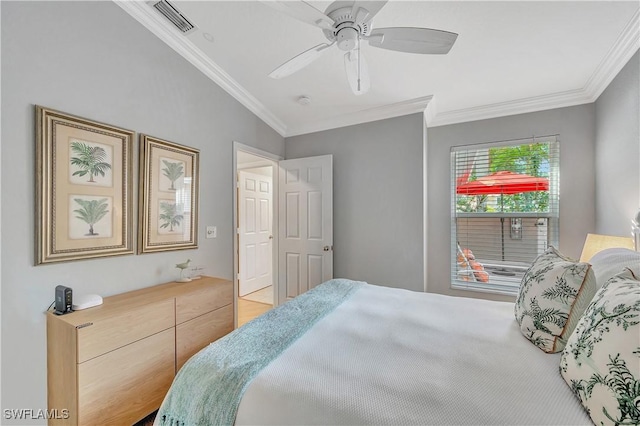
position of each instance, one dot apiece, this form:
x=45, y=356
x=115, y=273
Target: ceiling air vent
x=174, y=15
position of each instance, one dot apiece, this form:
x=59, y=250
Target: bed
x=354, y=353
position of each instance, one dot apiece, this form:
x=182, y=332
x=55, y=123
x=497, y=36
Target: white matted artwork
x=83, y=188
x=168, y=211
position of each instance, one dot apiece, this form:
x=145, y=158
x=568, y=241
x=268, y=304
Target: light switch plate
x=212, y=232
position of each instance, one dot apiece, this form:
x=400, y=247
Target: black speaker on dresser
x=64, y=300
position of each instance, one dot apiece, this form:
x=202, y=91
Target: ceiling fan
x=347, y=23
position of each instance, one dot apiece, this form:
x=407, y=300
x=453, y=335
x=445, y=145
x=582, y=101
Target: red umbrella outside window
x=504, y=182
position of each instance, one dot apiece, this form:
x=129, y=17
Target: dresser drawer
x=203, y=300
x=193, y=335
x=133, y=323
x=123, y=386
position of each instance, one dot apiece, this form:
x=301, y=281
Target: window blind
x=504, y=210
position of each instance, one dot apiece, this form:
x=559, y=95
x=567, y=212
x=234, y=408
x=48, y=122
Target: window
x=505, y=208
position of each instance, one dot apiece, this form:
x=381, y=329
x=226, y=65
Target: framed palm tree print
x=168, y=211
x=83, y=188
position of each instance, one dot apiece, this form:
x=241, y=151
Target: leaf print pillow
x=601, y=362
x=554, y=293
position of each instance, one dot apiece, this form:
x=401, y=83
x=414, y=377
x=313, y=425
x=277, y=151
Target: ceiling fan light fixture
x=347, y=38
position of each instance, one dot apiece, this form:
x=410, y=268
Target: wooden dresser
x=114, y=363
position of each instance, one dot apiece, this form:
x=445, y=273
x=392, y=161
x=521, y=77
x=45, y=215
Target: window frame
x=552, y=216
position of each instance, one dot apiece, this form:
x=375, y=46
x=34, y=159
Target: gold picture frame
x=168, y=200
x=83, y=188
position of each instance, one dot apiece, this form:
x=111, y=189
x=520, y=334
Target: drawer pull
x=86, y=324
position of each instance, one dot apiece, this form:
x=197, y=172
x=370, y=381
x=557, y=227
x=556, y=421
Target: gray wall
x=377, y=191
x=92, y=59
x=618, y=152
x=575, y=127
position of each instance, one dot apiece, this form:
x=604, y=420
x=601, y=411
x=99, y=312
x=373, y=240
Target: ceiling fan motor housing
x=345, y=30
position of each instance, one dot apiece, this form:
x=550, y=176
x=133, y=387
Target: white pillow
x=610, y=262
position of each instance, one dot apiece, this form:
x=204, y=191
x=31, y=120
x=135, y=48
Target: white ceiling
x=510, y=57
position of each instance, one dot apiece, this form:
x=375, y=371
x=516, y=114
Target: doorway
x=255, y=247
x=301, y=221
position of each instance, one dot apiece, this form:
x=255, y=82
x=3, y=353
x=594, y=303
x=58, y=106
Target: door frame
x=273, y=158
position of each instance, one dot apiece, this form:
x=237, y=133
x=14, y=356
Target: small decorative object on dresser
x=182, y=266
x=114, y=363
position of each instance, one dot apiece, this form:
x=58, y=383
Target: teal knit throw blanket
x=208, y=388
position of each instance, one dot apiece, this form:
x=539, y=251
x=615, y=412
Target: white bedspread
x=388, y=356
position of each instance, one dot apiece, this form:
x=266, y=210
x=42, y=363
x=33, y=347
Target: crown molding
x=626, y=45
x=503, y=109
x=623, y=49
x=144, y=14
x=364, y=116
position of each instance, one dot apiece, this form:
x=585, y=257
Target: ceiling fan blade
x=351, y=66
x=364, y=11
x=302, y=11
x=413, y=40
x=298, y=62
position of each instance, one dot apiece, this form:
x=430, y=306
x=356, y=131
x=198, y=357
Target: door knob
x=271, y=237
x=327, y=248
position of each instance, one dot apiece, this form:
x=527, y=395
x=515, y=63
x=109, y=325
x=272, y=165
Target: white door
x=255, y=195
x=305, y=225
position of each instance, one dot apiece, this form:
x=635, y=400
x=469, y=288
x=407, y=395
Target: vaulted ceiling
x=510, y=57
